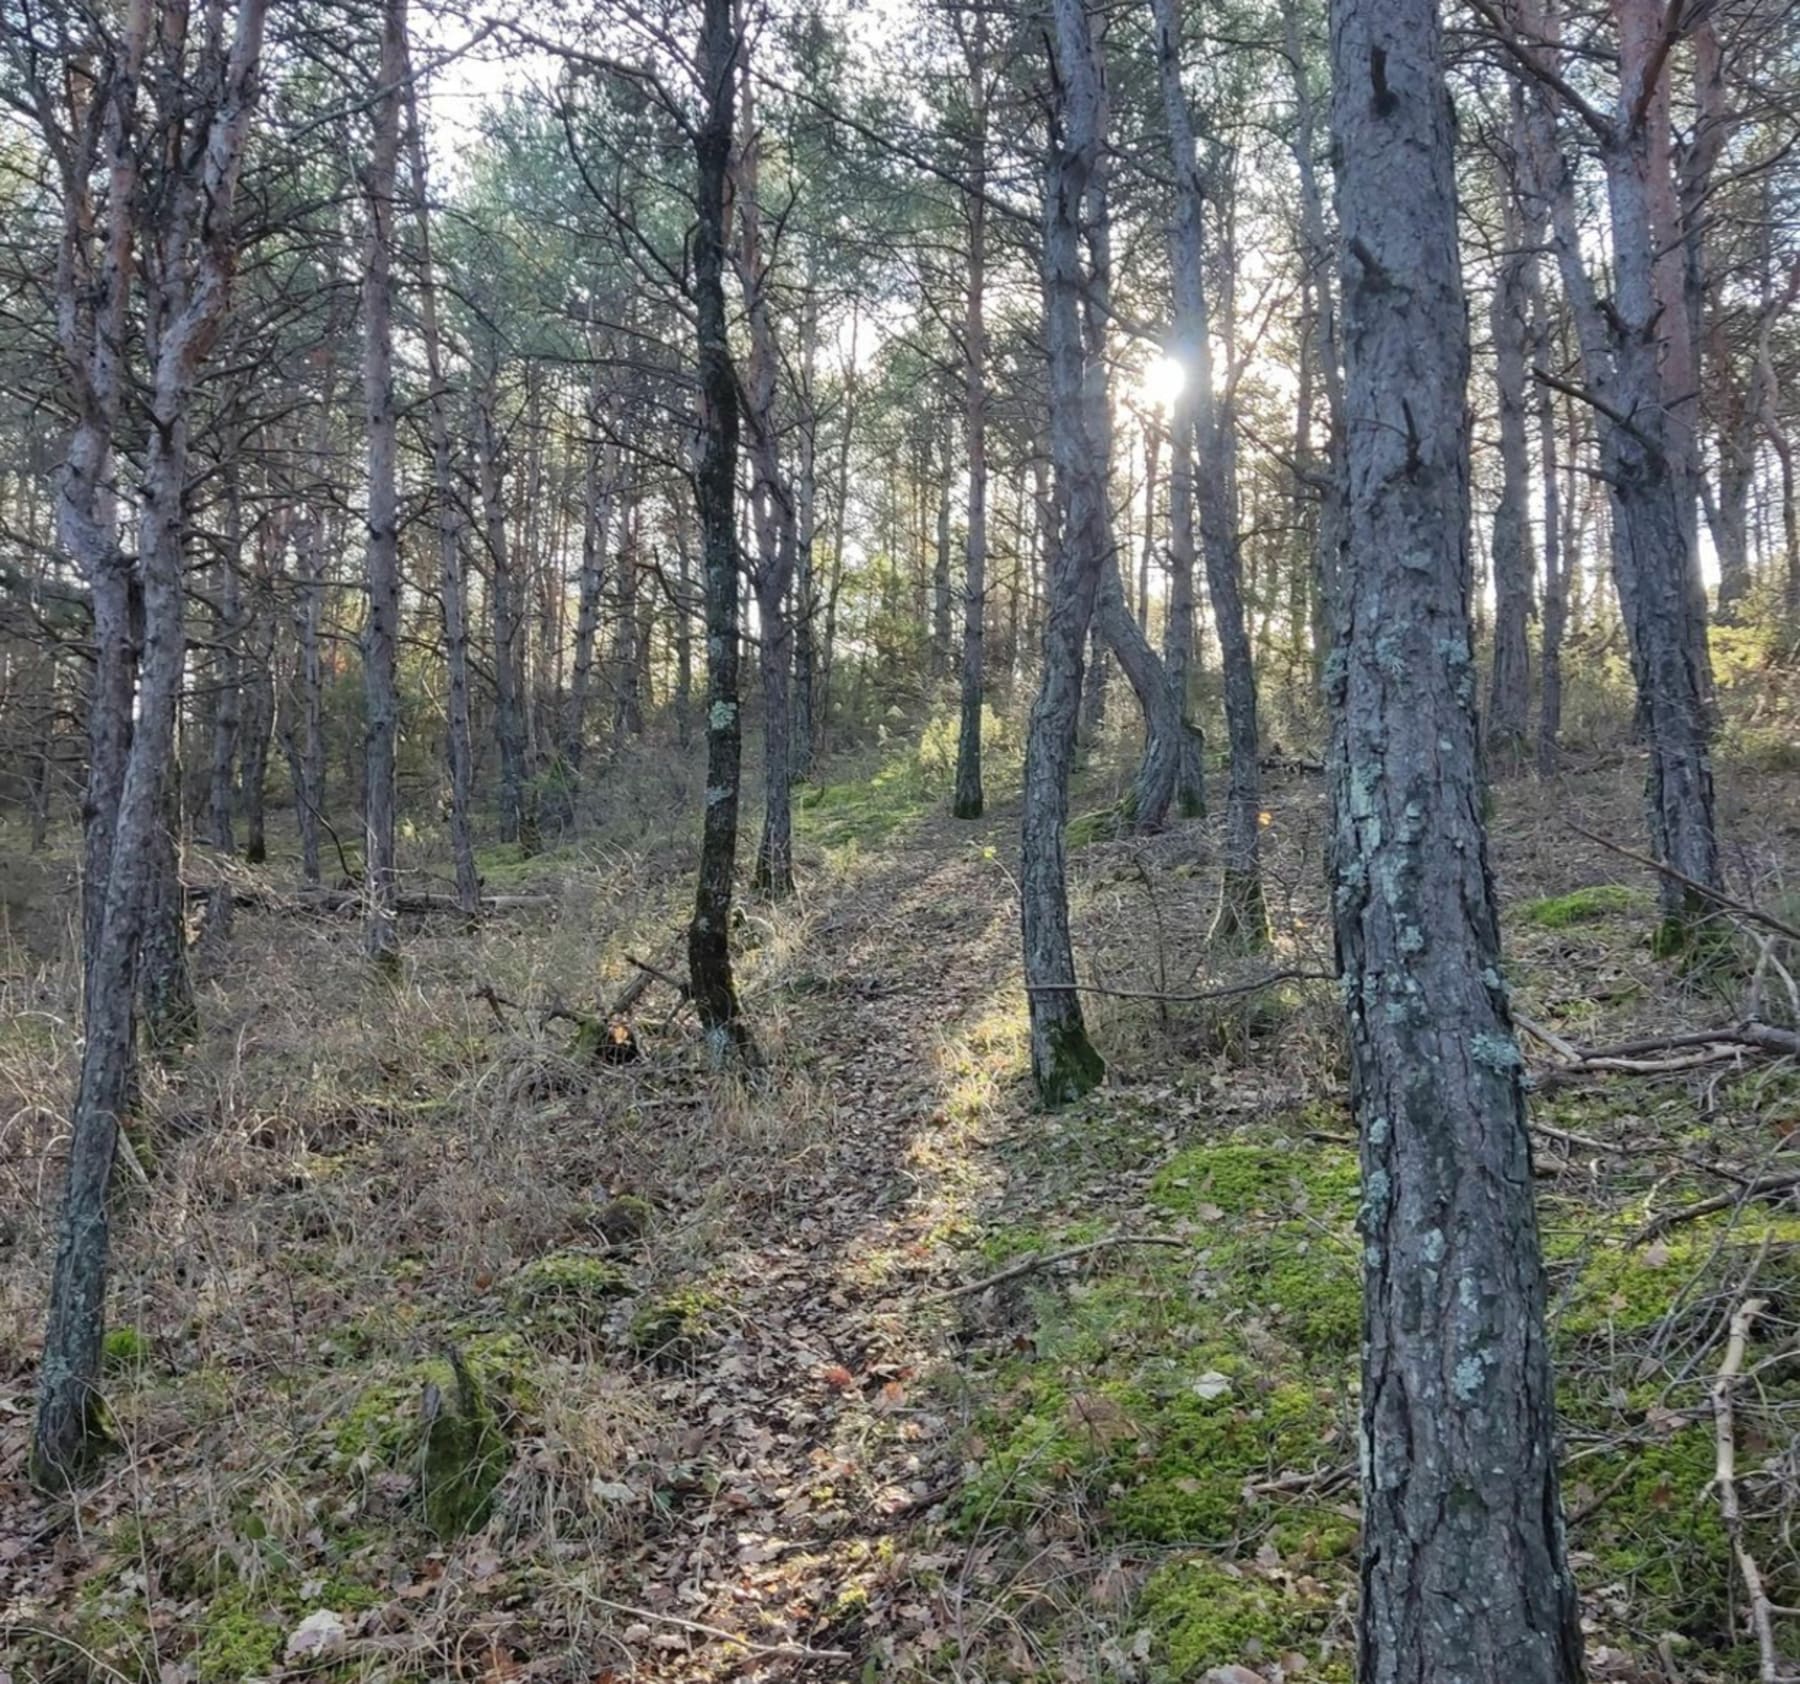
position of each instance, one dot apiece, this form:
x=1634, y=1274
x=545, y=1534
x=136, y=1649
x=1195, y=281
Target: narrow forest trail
x=819, y=1406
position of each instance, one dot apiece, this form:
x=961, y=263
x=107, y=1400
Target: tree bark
x=459, y=737
x=1463, y=1571
x=184, y=310
x=967, y=796
x=1064, y=1064
x=381, y=631
x=715, y=482
x=1509, y=689
x=509, y=676
x=773, y=517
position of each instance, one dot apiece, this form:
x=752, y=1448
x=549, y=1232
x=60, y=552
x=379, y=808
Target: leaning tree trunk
x=715, y=483
x=1152, y=792
x=187, y=306
x=1064, y=1064
x=381, y=632
x=1463, y=1568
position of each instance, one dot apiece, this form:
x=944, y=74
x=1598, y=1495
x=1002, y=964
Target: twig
x=769, y=1651
x=674, y=982
x=1762, y=1619
x=1044, y=1259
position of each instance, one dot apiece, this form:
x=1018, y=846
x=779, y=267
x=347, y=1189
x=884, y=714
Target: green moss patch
x=1579, y=906
x=1205, y=1613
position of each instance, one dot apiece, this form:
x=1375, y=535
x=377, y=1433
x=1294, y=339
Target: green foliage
x=1580, y=906
x=242, y=1637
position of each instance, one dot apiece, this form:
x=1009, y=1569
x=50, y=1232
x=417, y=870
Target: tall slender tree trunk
x=940, y=568
x=381, y=631
x=228, y=663
x=509, y=678
x=967, y=796
x=1242, y=920
x=715, y=480
x=1509, y=689
x=1463, y=1568
x=1555, y=603
x=773, y=515
x=806, y=531
x=1064, y=1064
x=459, y=736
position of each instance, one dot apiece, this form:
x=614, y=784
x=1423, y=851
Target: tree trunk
x=184, y=311
x=715, y=482
x=1463, y=1571
x=381, y=632
x=1064, y=1064
x=228, y=664
x=1555, y=605
x=165, y=986
x=967, y=796
x=773, y=516
x=459, y=738
x=940, y=570
x=806, y=530
x=1242, y=920
x=1509, y=690
x=509, y=681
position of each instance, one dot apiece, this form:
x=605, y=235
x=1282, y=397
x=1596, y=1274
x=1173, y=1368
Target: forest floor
x=441, y=1353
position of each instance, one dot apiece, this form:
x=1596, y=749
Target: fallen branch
x=766, y=1651
x=1756, y=1188
x=311, y=902
x=1224, y=993
x=1045, y=1259
x=1692, y=1050
x=1705, y=890
x=1762, y=1615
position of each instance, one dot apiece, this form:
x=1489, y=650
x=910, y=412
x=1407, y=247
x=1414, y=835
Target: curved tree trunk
x=1064, y=1064
x=186, y=309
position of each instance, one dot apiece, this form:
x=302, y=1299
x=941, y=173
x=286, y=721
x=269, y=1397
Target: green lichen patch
x=1579, y=906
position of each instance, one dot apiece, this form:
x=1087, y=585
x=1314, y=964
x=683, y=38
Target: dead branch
x=1689, y=1050
x=1717, y=896
x=767, y=1651
x=1045, y=1259
x=1758, y=1187
x=1762, y=1618
x=1225, y=993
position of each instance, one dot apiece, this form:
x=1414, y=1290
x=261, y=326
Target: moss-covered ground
x=521, y=1366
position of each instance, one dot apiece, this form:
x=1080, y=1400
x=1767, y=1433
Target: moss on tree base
x=1069, y=1067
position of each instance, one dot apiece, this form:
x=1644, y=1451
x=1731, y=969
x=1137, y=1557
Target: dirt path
x=815, y=1415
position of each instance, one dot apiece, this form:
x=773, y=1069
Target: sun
x=1162, y=381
